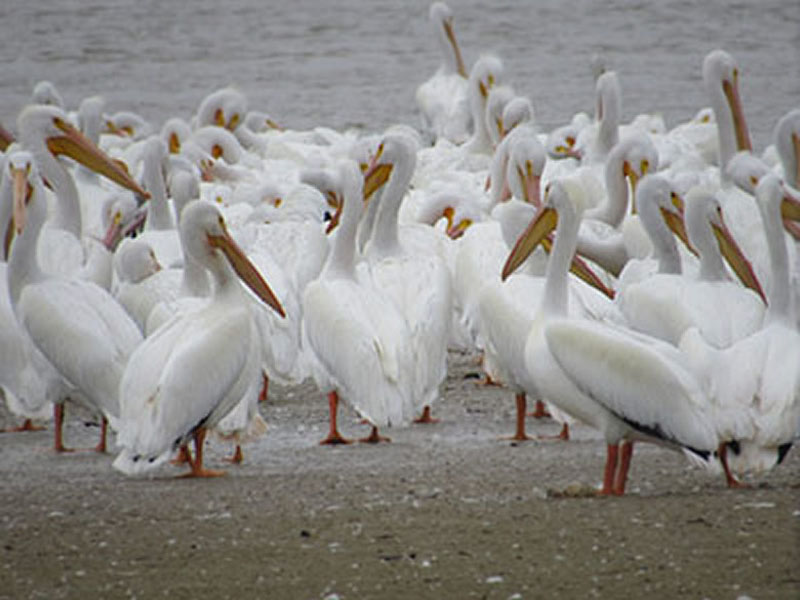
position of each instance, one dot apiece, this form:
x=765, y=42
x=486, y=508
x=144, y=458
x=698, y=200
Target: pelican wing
x=641, y=381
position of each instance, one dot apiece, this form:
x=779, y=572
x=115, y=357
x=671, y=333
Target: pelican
x=758, y=377
x=665, y=305
x=76, y=325
x=442, y=99
x=374, y=371
x=45, y=132
x=194, y=369
x=405, y=267
x=484, y=75
x=225, y=107
x=24, y=372
x=627, y=386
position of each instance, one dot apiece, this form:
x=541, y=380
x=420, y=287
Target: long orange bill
x=337, y=215
x=22, y=190
x=374, y=177
x=532, y=184
x=246, y=270
x=581, y=269
x=677, y=226
x=542, y=224
x=78, y=147
x=451, y=35
x=736, y=259
x=731, y=90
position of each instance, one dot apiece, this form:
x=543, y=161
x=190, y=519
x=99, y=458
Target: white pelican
x=24, y=373
x=787, y=143
x=629, y=387
x=45, y=132
x=194, y=369
x=45, y=93
x=759, y=376
x=78, y=327
x=406, y=267
x=665, y=305
x=594, y=143
x=373, y=371
x=225, y=107
x=442, y=99
x=484, y=75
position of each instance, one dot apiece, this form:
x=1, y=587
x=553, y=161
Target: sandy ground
x=444, y=511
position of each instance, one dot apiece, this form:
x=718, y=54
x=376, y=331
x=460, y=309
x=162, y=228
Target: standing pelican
x=627, y=386
x=359, y=342
x=194, y=369
x=76, y=325
x=442, y=99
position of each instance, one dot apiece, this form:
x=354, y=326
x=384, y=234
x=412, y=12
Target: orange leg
x=374, y=437
x=520, y=435
x=611, y=468
x=26, y=426
x=562, y=435
x=58, y=417
x=197, y=463
x=540, y=411
x=732, y=482
x=334, y=437
x=238, y=456
x=101, y=445
x=262, y=397
x=624, y=465
x=426, y=417
x=183, y=456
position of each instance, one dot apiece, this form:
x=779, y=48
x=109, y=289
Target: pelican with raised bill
x=194, y=369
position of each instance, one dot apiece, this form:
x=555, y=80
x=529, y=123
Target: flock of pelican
x=638, y=279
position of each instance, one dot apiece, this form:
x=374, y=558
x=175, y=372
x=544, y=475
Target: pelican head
x=206, y=238
x=441, y=17
x=225, y=108
x=638, y=156
x=396, y=152
x=526, y=163
x=721, y=78
x=703, y=211
x=46, y=128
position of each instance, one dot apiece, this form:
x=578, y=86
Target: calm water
x=358, y=62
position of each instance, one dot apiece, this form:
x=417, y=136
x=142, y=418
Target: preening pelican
x=194, y=369
x=405, y=267
x=374, y=373
x=628, y=387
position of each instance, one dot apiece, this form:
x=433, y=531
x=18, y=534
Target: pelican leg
x=612, y=454
x=262, y=397
x=520, y=435
x=58, y=417
x=562, y=435
x=374, y=437
x=426, y=417
x=183, y=456
x=26, y=426
x=197, y=463
x=624, y=465
x=101, y=445
x=237, y=458
x=732, y=482
x=334, y=437
x=540, y=411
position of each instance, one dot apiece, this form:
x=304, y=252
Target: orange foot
x=26, y=426
x=426, y=417
x=202, y=472
x=335, y=438
x=563, y=434
x=237, y=457
x=540, y=412
x=374, y=437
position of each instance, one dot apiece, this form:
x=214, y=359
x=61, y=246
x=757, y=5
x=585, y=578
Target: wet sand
x=444, y=511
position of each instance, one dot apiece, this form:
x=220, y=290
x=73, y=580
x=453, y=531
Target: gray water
x=357, y=63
